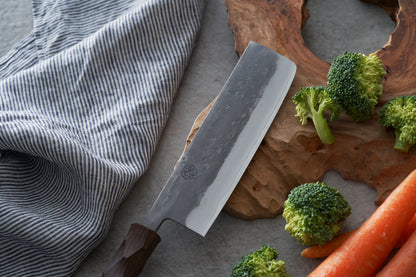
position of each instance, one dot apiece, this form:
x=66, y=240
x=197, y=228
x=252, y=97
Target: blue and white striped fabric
x=83, y=101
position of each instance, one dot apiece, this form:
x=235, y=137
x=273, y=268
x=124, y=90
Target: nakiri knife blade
x=217, y=157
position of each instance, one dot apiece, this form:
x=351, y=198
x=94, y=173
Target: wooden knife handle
x=133, y=253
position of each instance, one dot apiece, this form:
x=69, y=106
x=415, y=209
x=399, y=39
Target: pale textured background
x=334, y=27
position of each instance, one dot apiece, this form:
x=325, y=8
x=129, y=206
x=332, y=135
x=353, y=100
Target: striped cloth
x=83, y=101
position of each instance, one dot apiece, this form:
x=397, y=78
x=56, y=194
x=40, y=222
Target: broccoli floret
x=400, y=114
x=260, y=263
x=312, y=103
x=354, y=82
x=315, y=213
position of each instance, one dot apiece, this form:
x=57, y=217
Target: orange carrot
x=411, y=226
x=324, y=250
x=364, y=252
x=403, y=263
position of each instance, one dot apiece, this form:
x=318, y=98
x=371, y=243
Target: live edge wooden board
x=292, y=154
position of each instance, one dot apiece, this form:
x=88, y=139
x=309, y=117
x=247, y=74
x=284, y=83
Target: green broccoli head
x=400, y=114
x=260, y=263
x=312, y=103
x=354, y=82
x=315, y=213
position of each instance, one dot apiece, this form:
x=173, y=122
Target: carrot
x=403, y=263
x=411, y=226
x=324, y=250
x=364, y=252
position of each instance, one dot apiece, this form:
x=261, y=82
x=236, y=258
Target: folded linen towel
x=83, y=101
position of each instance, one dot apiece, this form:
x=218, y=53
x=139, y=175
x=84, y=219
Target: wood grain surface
x=291, y=153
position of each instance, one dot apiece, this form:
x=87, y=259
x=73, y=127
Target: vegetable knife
x=217, y=157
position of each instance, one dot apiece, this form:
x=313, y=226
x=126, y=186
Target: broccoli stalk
x=315, y=213
x=400, y=114
x=354, y=82
x=312, y=103
x=260, y=263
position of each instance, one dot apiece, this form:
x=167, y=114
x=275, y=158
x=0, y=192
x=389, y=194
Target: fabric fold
x=83, y=103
